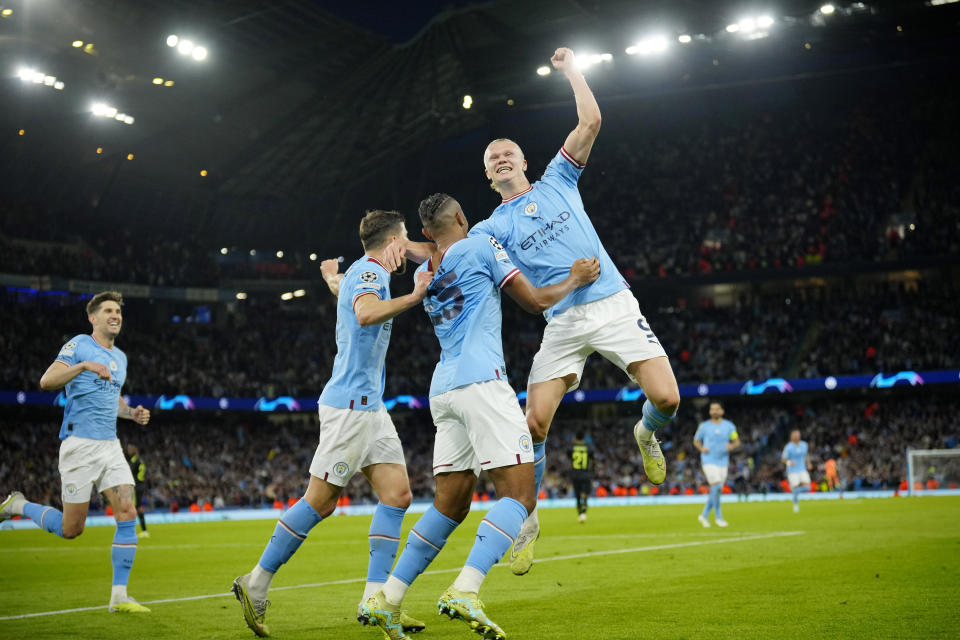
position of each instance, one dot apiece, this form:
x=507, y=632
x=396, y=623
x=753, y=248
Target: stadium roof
x=301, y=98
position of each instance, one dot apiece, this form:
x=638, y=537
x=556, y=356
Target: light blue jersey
x=546, y=229
x=796, y=453
x=359, y=373
x=463, y=303
x=92, y=402
x=715, y=437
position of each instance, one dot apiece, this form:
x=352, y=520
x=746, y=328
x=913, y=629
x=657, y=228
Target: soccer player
x=581, y=465
x=798, y=466
x=544, y=226
x=715, y=439
x=93, y=370
x=139, y=472
x=356, y=433
x=479, y=421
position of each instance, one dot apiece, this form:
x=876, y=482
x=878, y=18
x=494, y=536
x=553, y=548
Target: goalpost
x=931, y=469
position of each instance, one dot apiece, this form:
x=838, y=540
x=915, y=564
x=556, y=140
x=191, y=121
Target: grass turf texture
x=860, y=569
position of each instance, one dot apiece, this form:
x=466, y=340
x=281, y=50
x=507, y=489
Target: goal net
x=932, y=470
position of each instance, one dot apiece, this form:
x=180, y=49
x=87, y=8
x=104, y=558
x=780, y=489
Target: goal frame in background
x=914, y=454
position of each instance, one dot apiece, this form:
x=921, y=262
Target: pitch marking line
x=573, y=556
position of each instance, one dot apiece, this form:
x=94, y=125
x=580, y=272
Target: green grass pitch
x=882, y=568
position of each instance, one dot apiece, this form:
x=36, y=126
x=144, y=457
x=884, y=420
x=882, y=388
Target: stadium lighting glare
x=299, y=293
x=129, y=120
x=158, y=81
x=467, y=101
x=933, y=3
x=253, y=252
x=99, y=150
x=241, y=295
x=110, y=112
x=313, y=257
x=684, y=39
x=58, y=85
x=912, y=227
x=49, y=80
x=120, y=117
x=21, y=132
x=586, y=61
x=203, y=173
x=6, y=13
x=172, y=40
x=747, y=25
x=827, y=9
x=199, y=53
x=765, y=22
x=649, y=46
x=98, y=109
x=224, y=251
x=185, y=47
x=279, y=254
x=543, y=71
x=129, y=156
x=733, y=28
x=77, y=44
x=287, y=295
x=168, y=83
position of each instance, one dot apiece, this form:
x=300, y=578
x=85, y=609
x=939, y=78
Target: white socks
x=118, y=593
x=469, y=580
x=394, y=589
x=370, y=589
x=641, y=432
x=259, y=584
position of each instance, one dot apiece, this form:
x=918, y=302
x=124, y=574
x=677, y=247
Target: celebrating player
x=356, y=433
x=93, y=371
x=798, y=466
x=479, y=422
x=544, y=226
x=715, y=439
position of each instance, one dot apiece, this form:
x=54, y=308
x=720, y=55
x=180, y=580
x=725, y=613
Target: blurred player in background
x=545, y=227
x=356, y=432
x=480, y=425
x=795, y=457
x=715, y=439
x=581, y=473
x=93, y=371
x=139, y=472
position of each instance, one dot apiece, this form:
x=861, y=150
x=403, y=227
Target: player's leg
x=717, y=491
x=124, y=548
x=655, y=377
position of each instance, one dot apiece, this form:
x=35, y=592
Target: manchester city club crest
x=113, y=365
x=530, y=209
x=525, y=443
x=341, y=469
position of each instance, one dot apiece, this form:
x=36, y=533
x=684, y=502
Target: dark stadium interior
x=786, y=207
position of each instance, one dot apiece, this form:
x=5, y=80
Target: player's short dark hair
x=104, y=296
x=433, y=207
x=377, y=225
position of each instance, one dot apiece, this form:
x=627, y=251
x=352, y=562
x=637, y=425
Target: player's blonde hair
x=493, y=185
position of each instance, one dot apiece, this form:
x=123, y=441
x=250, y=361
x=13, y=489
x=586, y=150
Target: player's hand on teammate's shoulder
x=564, y=60
x=584, y=271
x=393, y=254
x=100, y=369
x=140, y=415
x=421, y=281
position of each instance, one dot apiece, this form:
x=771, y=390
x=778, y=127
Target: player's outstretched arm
x=539, y=299
x=397, y=250
x=372, y=310
x=60, y=373
x=329, y=269
x=580, y=141
x=138, y=414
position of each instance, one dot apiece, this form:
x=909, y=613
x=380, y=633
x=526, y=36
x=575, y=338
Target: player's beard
x=402, y=269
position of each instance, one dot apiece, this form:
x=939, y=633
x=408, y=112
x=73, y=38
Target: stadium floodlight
x=241, y=295
x=49, y=80
x=224, y=251
x=299, y=293
x=172, y=40
x=279, y=254
x=733, y=28
x=158, y=81
x=543, y=70
x=185, y=47
x=827, y=9
x=253, y=252
x=203, y=173
x=110, y=112
x=586, y=61
x=933, y=3
x=288, y=295
x=746, y=25
x=77, y=44
x=168, y=83
x=684, y=39
x=6, y=13
x=129, y=120
x=313, y=257
x=765, y=22
x=129, y=156
x=58, y=85
x=99, y=150
x=98, y=108
x=649, y=46
x=199, y=53
x=467, y=101
x=120, y=117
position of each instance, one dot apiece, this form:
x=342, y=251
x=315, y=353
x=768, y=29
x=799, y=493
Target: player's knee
x=538, y=427
x=400, y=498
x=667, y=401
x=71, y=531
x=125, y=513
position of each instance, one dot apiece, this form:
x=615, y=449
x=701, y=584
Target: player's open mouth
x=504, y=169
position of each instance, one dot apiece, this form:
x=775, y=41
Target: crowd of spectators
x=253, y=461
x=260, y=348
x=832, y=180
